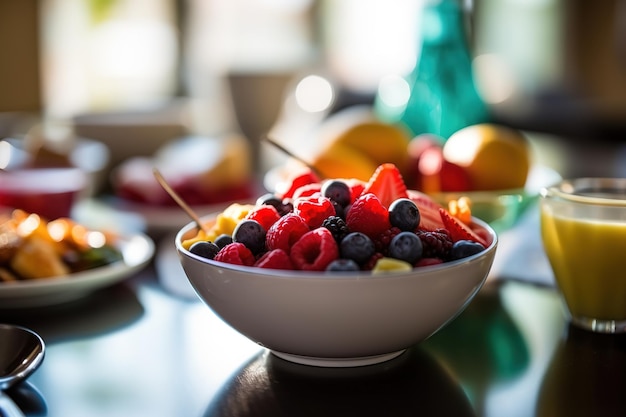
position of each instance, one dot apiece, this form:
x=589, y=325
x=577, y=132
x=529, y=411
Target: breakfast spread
x=33, y=248
x=342, y=225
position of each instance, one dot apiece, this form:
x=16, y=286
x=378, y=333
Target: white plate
x=137, y=251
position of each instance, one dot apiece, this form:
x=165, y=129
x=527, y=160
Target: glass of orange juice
x=583, y=229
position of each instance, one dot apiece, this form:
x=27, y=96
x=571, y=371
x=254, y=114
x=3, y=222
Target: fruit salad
x=342, y=225
x=34, y=248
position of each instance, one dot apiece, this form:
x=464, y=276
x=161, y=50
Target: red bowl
x=49, y=192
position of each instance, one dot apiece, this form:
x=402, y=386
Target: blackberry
x=337, y=227
x=436, y=244
x=382, y=241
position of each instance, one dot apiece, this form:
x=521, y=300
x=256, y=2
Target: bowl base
x=338, y=362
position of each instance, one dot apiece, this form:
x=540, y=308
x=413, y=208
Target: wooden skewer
x=290, y=154
x=159, y=177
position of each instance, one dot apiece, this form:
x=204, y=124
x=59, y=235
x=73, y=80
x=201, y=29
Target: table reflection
x=98, y=313
x=413, y=384
x=483, y=346
x=28, y=398
x=586, y=376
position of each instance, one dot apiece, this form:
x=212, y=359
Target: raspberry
x=266, y=215
x=315, y=250
x=285, y=232
x=382, y=241
x=436, y=244
x=337, y=227
x=367, y=215
x=235, y=253
x=371, y=263
x=428, y=262
x=275, y=259
x=313, y=210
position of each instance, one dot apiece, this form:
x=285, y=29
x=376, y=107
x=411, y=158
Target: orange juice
x=588, y=258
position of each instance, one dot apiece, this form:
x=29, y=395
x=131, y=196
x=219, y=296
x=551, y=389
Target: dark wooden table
x=147, y=347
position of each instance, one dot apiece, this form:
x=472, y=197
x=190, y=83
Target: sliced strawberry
x=301, y=178
x=430, y=219
x=387, y=184
x=459, y=230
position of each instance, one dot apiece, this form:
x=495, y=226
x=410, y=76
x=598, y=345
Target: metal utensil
x=163, y=182
x=21, y=353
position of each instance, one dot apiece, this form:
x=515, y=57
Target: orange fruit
x=342, y=161
x=357, y=141
x=495, y=157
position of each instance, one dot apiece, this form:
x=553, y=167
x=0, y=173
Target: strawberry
x=307, y=190
x=430, y=219
x=459, y=230
x=387, y=184
x=304, y=177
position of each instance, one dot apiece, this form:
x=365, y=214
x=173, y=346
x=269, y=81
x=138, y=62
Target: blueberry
x=270, y=199
x=337, y=191
x=406, y=246
x=358, y=247
x=223, y=240
x=340, y=211
x=251, y=234
x=464, y=248
x=205, y=249
x=343, y=265
x=404, y=214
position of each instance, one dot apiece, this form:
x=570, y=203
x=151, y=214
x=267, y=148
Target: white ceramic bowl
x=325, y=319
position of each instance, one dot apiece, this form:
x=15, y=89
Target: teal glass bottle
x=443, y=97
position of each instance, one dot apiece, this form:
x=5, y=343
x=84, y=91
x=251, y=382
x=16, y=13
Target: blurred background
x=135, y=74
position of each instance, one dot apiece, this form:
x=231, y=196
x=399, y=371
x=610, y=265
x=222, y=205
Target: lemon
x=495, y=157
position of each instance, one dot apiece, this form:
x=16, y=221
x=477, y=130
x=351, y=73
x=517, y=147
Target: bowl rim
x=324, y=275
